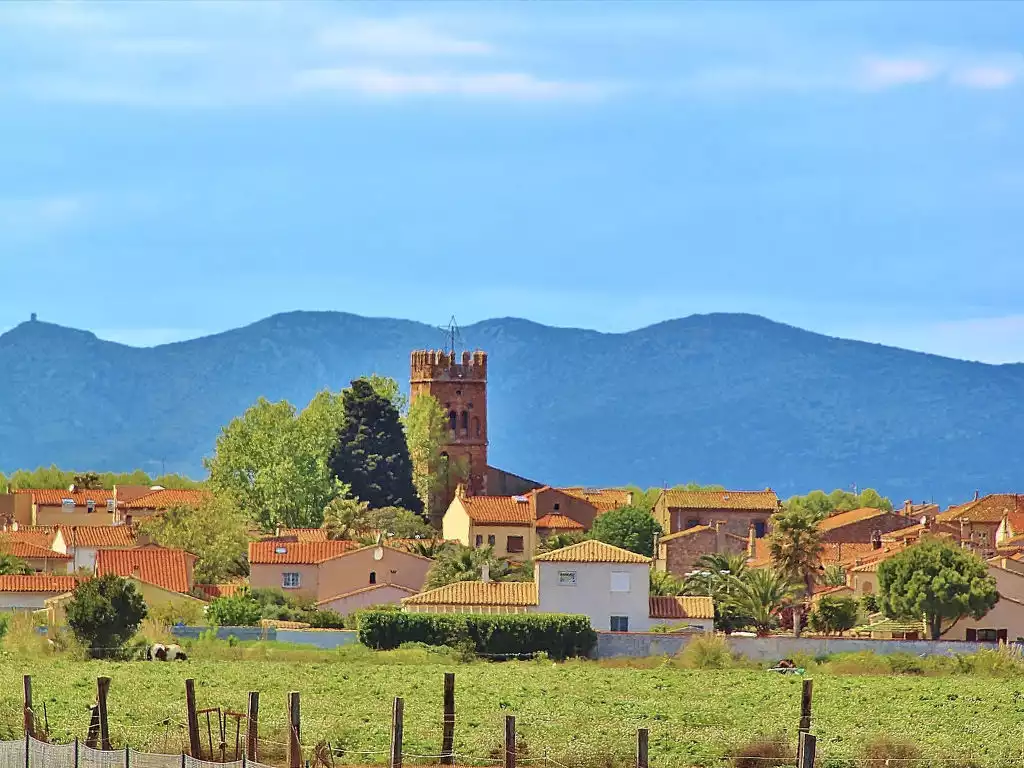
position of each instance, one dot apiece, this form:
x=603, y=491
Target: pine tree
x=372, y=456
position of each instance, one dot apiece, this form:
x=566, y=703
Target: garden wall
x=610, y=644
x=318, y=638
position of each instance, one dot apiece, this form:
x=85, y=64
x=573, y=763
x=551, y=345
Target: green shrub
x=560, y=636
x=711, y=652
x=325, y=619
x=834, y=615
x=105, y=613
x=236, y=611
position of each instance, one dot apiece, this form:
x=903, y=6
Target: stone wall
x=677, y=556
x=771, y=649
x=860, y=532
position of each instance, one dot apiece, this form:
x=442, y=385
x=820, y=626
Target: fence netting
x=44, y=755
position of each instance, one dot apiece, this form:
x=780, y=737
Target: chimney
x=908, y=507
x=751, y=541
x=485, y=573
x=975, y=495
x=876, y=539
x=460, y=491
x=718, y=535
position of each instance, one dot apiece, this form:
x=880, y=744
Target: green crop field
x=577, y=713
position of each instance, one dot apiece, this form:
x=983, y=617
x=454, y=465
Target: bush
x=834, y=615
x=709, y=652
x=763, y=752
x=882, y=748
x=236, y=611
x=187, y=612
x=325, y=619
x=560, y=636
x=104, y=613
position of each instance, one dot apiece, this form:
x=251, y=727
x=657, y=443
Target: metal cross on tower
x=452, y=335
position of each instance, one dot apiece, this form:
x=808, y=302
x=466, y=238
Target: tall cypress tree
x=372, y=455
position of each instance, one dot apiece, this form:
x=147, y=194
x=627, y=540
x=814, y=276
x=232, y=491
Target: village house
x=163, y=576
x=48, y=507
x=609, y=585
x=158, y=500
x=677, y=553
x=37, y=556
x=985, y=522
x=30, y=593
x=85, y=542
x=338, y=575
x=734, y=511
x=866, y=525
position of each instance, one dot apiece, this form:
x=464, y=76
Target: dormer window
x=68, y=505
x=111, y=505
x=280, y=550
x=90, y=506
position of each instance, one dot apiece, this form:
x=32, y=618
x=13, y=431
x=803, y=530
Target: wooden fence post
x=808, y=747
x=510, y=741
x=194, y=746
x=102, y=689
x=642, y=737
x=92, y=738
x=448, y=724
x=397, y=714
x=806, y=695
x=30, y=717
x=252, y=730
x=294, y=744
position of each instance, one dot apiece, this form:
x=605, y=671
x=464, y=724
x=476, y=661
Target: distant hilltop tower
x=460, y=386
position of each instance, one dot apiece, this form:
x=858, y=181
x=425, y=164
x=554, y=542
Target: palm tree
x=559, y=541
x=462, y=563
x=13, y=566
x=833, y=576
x=760, y=595
x=346, y=518
x=664, y=584
x=795, y=548
x=714, y=575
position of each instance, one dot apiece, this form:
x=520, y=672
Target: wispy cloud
x=399, y=37
x=880, y=73
x=986, y=77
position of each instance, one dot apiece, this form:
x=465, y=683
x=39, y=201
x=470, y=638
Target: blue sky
x=169, y=170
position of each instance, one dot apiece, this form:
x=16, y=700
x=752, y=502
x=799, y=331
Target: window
x=67, y=505
x=514, y=544
x=90, y=506
x=373, y=577
x=290, y=581
x=620, y=581
x=619, y=623
x=476, y=425
x=111, y=505
x=490, y=540
x=556, y=506
x=465, y=423
x=693, y=522
x=987, y=635
x=479, y=540
x=452, y=421
x=759, y=529
x=567, y=578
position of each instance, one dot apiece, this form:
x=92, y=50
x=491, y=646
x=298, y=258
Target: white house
x=609, y=585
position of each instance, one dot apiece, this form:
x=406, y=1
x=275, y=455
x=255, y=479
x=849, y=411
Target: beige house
x=505, y=523
x=734, y=512
x=1005, y=621
x=48, y=507
x=607, y=584
x=83, y=543
x=30, y=593
x=338, y=575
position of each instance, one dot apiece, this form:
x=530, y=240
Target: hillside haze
x=725, y=398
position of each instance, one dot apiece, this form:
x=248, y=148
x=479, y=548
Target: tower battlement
x=441, y=365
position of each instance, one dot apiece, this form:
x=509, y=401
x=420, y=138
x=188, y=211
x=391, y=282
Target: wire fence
x=41, y=754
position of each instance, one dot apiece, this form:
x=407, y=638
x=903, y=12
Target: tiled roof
x=369, y=588
x=213, y=591
x=39, y=582
x=870, y=563
x=166, y=568
x=166, y=499
x=841, y=519
x=684, y=607
x=37, y=536
x=845, y=552
x=494, y=593
x=498, y=510
x=25, y=551
x=765, y=501
x=820, y=590
x=100, y=536
x=603, y=499
x=51, y=497
x=296, y=552
x=987, y=509
x=304, y=534
x=592, y=551
x=560, y=522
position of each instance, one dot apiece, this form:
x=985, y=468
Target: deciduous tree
x=935, y=581
x=426, y=432
x=833, y=615
x=631, y=528
x=104, y=613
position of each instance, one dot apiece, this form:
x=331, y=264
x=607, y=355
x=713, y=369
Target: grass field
x=577, y=713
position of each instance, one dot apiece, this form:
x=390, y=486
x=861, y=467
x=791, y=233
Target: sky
x=169, y=170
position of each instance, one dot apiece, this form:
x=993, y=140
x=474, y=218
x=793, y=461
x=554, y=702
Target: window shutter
x=1002, y=635
x=972, y=635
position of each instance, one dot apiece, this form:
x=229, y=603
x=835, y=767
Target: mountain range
x=722, y=398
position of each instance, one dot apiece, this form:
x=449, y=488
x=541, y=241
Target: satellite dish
x=378, y=553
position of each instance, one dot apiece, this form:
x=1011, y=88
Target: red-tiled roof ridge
x=558, y=521
x=746, y=500
x=54, y=497
x=163, y=567
x=39, y=582
x=296, y=552
x=165, y=498
x=499, y=510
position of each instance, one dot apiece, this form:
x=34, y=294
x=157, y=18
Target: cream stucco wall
x=385, y=595
x=592, y=594
x=501, y=534
x=455, y=525
x=55, y=515
x=272, y=576
x=1007, y=614
x=352, y=571
x=15, y=601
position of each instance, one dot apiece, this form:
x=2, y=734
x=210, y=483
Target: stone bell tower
x=459, y=383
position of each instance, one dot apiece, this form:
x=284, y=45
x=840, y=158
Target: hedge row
x=560, y=636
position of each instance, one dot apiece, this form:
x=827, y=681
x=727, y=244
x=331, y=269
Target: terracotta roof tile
x=213, y=591
x=987, y=509
x=37, y=536
x=592, y=551
x=493, y=593
x=304, y=534
x=691, y=531
x=369, y=588
x=25, y=551
x=51, y=497
x=841, y=519
x=559, y=522
x=100, y=536
x=765, y=500
x=40, y=582
x=683, y=607
x=603, y=499
x=499, y=510
x=296, y=552
x=166, y=499
x=166, y=568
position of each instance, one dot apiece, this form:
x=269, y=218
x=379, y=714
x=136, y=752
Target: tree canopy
x=272, y=462
x=104, y=613
x=938, y=582
x=834, y=615
x=759, y=596
x=821, y=504
x=371, y=455
x=426, y=431
x=631, y=528
x=53, y=477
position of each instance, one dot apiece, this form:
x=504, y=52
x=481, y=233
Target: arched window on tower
x=465, y=423
x=476, y=426
x=453, y=420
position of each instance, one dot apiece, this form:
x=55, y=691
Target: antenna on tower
x=452, y=335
